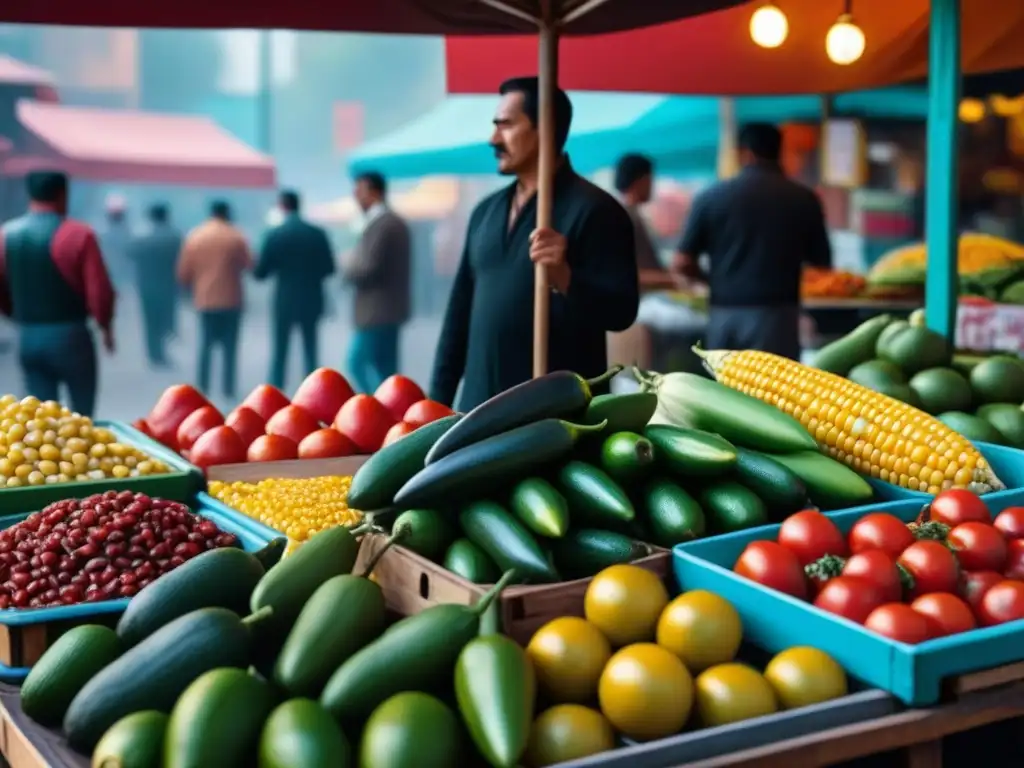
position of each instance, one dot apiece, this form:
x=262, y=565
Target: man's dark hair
x=289, y=201
x=220, y=209
x=159, y=213
x=630, y=169
x=374, y=180
x=47, y=186
x=762, y=140
x=530, y=88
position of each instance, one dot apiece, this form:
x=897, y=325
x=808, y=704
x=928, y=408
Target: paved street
x=128, y=387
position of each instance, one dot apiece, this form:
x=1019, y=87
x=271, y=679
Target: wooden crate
x=24, y=645
x=255, y=471
x=412, y=583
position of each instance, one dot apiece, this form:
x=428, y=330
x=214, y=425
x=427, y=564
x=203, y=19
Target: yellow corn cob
x=874, y=434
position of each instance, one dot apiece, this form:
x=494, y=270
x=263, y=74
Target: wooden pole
x=728, y=153
x=548, y=76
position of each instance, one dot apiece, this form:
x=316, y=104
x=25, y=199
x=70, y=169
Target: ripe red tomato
x=292, y=422
x=398, y=431
x=899, y=622
x=880, y=569
x=247, y=423
x=1013, y=568
x=266, y=401
x=364, y=421
x=957, y=506
x=196, y=424
x=326, y=443
x=272, y=448
x=398, y=394
x=879, y=530
x=933, y=567
x=850, y=597
x=979, y=547
x=1010, y=522
x=322, y=393
x=976, y=584
x=426, y=411
x=810, y=536
x=1001, y=603
x=773, y=566
x=170, y=410
x=220, y=445
x=947, y=614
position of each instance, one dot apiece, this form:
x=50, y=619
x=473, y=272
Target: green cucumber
x=220, y=578
x=540, y=507
x=217, y=720
x=672, y=515
x=856, y=347
x=691, y=452
x=627, y=412
x=376, y=482
x=155, y=672
x=469, y=561
x=506, y=541
x=475, y=470
x=271, y=554
x=830, y=484
x=594, y=498
x=417, y=653
x=412, y=729
x=774, y=483
x=64, y=669
x=731, y=507
x=135, y=741
x=301, y=734
x=290, y=583
x=557, y=395
x=627, y=456
x=584, y=552
x=425, y=531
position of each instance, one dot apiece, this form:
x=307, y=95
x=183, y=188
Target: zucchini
x=732, y=507
x=774, y=483
x=271, y=554
x=135, y=741
x=217, y=721
x=830, y=484
x=672, y=515
x=301, y=734
x=627, y=456
x=540, y=507
x=594, y=498
x=375, y=484
x=64, y=669
x=691, y=452
x=627, y=412
x=584, y=552
x=469, y=561
x=425, y=531
x=474, y=471
x=154, y=673
x=220, y=578
x=506, y=541
x=557, y=395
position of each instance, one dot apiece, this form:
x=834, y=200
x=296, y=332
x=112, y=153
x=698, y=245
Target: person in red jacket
x=52, y=280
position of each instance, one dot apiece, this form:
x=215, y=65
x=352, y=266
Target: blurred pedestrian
x=214, y=257
x=115, y=238
x=634, y=181
x=298, y=255
x=379, y=269
x=153, y=254
x=52, y=279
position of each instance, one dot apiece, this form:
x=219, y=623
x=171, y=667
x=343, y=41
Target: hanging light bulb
x=845, y=41
x=769, y=26
x=972, y=110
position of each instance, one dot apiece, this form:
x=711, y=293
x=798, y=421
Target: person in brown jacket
x=379, y=269
x=213, y=259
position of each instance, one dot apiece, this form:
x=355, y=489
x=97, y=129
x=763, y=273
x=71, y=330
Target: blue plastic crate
x=1007, y=463
x=774, y=621
x=240, y=519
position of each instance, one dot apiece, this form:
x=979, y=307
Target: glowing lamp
x=845, y=41
x=769, y=26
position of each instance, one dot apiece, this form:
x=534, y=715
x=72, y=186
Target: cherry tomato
x=933, y=567
x=850, y=597
x=976, y=584
x=957, y=506
x=899, y=622
x=979, y=547
x=1013, y=568
x=810, y=535
x=879, y=530
x=1010, y=522
x=773, y=566
x=947, y=614
x=878, y=568
x=1001, y=603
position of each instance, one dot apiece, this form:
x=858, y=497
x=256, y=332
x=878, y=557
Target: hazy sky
x=241, y=71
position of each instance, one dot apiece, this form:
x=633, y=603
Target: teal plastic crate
x=774, y=621
x=1007, y=463
x=240, y=519
x=180, y=484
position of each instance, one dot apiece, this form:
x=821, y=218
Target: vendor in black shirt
x=759, y=229
x=487, y=337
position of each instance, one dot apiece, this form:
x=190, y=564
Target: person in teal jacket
x=153, y=255
x=298, y=254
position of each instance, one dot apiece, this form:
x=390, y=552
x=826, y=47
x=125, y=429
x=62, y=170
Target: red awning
x=713, y=54
x=14, y=72
x=115, y=145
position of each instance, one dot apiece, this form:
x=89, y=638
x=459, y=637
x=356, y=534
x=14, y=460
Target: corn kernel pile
x=43, y=443
x=298, y=508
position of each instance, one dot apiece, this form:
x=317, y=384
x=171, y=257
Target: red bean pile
x=103, y=547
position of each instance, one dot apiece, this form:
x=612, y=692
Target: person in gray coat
x=153, y=255
x=379, y=270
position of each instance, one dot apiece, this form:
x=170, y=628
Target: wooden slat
x=17, y=749
x=296, y=469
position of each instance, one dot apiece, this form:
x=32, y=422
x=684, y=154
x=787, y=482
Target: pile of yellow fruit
x=647, y=668
x=297, y=507
x=44, y=442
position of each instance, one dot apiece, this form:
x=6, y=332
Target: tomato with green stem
x=879, y=530
x=810, y=535
x=932, y=565
x=878, y=568
x=957, y=506
x=979, y=547
x=850, y=597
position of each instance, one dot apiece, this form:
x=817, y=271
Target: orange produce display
x=816, y=283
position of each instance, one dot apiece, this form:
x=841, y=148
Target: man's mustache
x=499, y=149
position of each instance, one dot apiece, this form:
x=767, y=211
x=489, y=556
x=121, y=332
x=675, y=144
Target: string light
x=769, y=26
x=845, y=41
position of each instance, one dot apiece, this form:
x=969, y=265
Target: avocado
x=915, y=349
x=876, y=373
x=941, y=390
x=999, y=379
x=1008, y=419
x=901, y=392
x=856, y=347
x=972, y=427
x=892, y=330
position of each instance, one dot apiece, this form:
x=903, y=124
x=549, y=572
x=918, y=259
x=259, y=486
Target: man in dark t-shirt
x=758, y=229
